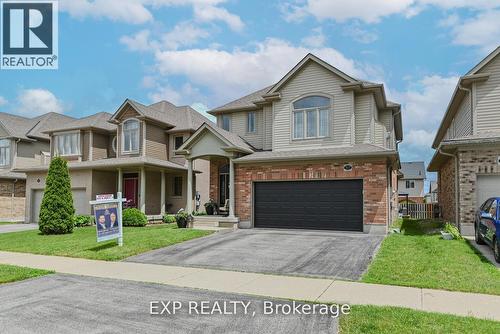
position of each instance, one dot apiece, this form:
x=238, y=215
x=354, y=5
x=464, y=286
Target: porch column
x=162, y=193
x=143, y=190
x=189, y=192
x=120, y=180
x=231, y=188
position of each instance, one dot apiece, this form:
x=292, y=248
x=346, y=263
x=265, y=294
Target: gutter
x=457, y=207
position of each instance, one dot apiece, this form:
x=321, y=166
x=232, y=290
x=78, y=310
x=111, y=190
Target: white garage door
x=80, y=203
x=487, y=186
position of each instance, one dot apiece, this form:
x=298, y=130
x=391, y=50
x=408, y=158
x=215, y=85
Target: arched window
x=311, y=117
x=131, y=128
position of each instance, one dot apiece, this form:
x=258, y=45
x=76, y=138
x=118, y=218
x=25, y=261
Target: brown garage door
x=324, y=205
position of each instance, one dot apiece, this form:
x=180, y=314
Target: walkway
x=275, y=286
x=7, y=228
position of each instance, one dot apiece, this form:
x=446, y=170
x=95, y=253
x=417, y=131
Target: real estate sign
x=108, y=217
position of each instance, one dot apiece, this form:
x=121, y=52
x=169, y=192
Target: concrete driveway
x=7, y=228
x=291, y=252
x=74, y=304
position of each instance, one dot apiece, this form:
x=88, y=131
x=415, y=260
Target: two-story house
x=22, y=144
x=131, y=151
x=467, y=144
x=316, y=150
x=411, y=182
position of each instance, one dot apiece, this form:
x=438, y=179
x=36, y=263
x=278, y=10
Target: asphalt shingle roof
x=96, y=121
x=413, y=170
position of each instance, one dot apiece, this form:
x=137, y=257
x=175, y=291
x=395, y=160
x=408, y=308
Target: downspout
x=457, y=207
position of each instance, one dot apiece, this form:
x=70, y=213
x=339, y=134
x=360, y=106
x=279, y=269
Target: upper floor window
x=131, y=136
x=410, y=184
x=226, y=122
x=251, y=121
x=67, y=144
x=4, y=152
x=179, y=140
x=311, y=117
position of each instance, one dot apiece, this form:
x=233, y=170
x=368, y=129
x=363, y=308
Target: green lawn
x=13, y=273
x=390, y=320
x=6, y=223
x=82, y=242
x=425, y=260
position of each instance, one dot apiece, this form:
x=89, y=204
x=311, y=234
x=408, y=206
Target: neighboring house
x=411, y=181
x=131, y=151
x=316, y=150
x=467, y=144
x=22, y=144
x=432, y=195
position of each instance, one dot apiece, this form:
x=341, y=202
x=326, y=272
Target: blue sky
x=207, y=52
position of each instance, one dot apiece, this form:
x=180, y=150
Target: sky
x=205, y=53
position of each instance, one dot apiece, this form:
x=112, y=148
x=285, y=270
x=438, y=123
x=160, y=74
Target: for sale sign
x=108, y=217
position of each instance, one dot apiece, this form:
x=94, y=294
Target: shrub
x=56, y=210
x=134, y=217
x=199, y=213
x=169, y=219
x=83, y=220
x=211, y=207
x=453, y=230
x=183, y=219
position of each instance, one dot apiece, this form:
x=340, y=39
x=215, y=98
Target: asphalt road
x=74, y=304
x=290, y=252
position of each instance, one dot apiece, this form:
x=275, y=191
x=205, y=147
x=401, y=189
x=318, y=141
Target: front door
x=130, y=187
x=223, y=185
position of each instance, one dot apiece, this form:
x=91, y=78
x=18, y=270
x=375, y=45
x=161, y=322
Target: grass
x=6, y=223
x=10, y=273
x=378, y=320
x=82, y=242
x=420, y=258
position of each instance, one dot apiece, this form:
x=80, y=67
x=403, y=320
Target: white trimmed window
x=4, y=152
x=251, y=122
x=311, y=117
x=67, y=144
x=130, y=137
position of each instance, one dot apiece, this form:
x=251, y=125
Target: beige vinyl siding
x=463, y=119
x=156, y=142
x=385, y=118
x=29, y=153
x=363, y=117
x=178, y=159
x=85, y=144
x=111, y=150
x=379, y=134
x=268, y=127
x=99, y=146
x=313, y=79
x=488, y=99
x=239, y=125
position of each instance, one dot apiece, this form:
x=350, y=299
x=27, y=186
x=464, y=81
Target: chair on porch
x=225, y=209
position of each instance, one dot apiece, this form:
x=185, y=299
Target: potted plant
x=211, y=208
x=183, y=219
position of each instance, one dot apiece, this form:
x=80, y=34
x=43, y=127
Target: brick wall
x=446, y=190
x=373, y=173
x=215, y=164
x=12, y=207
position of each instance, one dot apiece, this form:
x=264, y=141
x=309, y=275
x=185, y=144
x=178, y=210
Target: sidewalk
x=275, y=286
x=16, y=227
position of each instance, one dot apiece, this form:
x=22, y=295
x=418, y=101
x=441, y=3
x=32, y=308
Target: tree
x=57, y=211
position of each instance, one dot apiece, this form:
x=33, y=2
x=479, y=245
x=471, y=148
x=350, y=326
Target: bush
x=453, y=230
x=57, y=210
x=83, y=220
x=134, y=217
x=169, y=219
x=199, y=213
x=183, y=219
x=211, y=208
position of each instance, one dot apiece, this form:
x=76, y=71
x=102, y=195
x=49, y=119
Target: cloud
x=202, y=109
x=32, y=102
x=372, y=11
x=138, y=11
x=183, y=34
x=316, y=39
x=182, y=96
x=229, y=74
x=3, y=101
x=140, y=41
x=481, y=30
x=360, y=35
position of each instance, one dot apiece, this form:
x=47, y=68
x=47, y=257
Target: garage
x=487, y=186
x=322, y=204
x=80, y=202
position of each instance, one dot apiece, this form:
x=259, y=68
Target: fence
x=419, y=210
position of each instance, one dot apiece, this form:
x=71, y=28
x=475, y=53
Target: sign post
x=108, y=217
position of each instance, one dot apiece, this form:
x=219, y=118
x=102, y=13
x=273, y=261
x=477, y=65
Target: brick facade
x=446, y=190
x=215, y=164
x=373, y=173
x=12, y=199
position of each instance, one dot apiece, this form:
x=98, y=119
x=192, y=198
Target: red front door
x=130, y=191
